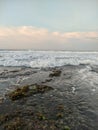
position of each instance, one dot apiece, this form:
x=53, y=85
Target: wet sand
x=71, y=104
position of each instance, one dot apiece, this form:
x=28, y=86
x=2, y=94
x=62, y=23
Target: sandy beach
x=60, y=98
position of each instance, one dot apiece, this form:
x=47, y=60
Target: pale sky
x=49, y=24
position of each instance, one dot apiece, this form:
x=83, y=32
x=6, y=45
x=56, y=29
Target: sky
x=49, y=24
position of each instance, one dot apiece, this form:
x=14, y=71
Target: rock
x=26, y=91
x=55, y=73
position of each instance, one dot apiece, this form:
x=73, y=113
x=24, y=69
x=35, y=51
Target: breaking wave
x=47, y=58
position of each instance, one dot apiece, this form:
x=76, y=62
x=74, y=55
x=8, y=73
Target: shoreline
x=71, y=104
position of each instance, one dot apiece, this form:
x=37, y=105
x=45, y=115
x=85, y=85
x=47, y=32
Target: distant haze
x=49, y=25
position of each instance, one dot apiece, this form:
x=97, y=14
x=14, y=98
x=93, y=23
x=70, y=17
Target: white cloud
x=40, y=38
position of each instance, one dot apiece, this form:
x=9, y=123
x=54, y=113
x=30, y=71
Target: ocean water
x=40, y=59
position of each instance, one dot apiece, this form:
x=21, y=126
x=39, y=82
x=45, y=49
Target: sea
x=41, y=59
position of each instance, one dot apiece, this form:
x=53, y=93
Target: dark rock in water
x=1, y=99
x=55, y=73
x=48, y=80
x=94, y=69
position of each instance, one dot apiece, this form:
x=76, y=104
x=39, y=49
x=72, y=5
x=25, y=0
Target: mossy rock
x=29, y=90
x=19, y=93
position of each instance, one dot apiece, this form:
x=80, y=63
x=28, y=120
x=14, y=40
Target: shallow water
x=76, y=89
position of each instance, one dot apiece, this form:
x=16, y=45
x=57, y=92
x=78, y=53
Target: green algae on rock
x=66, y=128
x=40, y=116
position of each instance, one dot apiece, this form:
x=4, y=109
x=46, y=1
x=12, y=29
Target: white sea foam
x=47, y=58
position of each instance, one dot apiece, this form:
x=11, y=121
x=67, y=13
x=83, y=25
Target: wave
x=46, y=58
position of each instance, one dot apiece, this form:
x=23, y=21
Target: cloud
x=40, y=38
